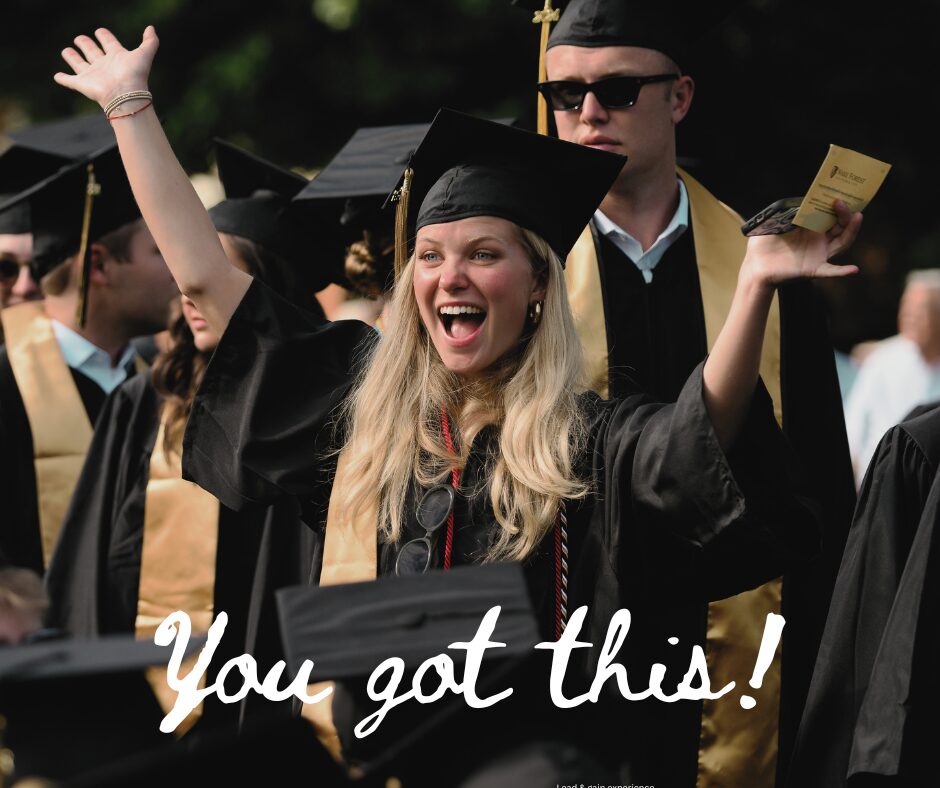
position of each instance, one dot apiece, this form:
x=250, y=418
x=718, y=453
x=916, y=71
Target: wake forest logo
x=837, y=170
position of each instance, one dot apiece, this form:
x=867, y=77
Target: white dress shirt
x=626, y=243
x=892, y=381
x=91, y=360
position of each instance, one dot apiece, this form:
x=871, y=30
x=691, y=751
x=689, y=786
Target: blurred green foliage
x=292, y=79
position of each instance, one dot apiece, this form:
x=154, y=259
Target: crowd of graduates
x=465, y=365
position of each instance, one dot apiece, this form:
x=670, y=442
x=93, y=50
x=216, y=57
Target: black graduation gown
x=871, y=708
x=94, y=575
x=656, y=336
x=19, y=512
x=712, y=525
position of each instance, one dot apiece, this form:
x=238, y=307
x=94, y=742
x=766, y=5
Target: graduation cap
x=366, y=168
x=71, y=138
x=39, y=151
x=467, y=166
x=348, y=630
x=257, y=195
x=72, y=705
x=75, y=207
x=350, y=191
x=668, y=26
x=19, y=169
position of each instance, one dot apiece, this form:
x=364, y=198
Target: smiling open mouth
x=461, y=322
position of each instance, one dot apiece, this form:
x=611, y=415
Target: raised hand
x=104, y=68
x=772, y=259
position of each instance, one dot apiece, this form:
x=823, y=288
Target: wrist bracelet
x=123, y=98
x=141, y=109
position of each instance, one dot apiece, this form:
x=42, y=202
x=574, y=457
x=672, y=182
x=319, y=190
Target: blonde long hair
x=530, y=396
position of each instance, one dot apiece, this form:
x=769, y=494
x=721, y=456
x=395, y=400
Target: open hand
x=800, y=253
x=104, y=68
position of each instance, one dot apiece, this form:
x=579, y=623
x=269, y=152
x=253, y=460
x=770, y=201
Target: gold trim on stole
x=177, y=561
x=737, y=746
x=60, y=427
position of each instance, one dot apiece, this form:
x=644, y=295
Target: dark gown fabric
x=711, y=525
x=656, y=337
x=94, y=575
x=871, y=712
x=19, y=512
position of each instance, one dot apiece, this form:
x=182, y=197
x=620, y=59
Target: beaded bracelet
x=123, y=98
x=141, y=109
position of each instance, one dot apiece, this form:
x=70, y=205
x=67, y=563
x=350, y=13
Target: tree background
x=291, y=79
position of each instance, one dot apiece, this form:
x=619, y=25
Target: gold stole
x=350, y=555
x=737, y=747
x=57, y=419
x=177, y=562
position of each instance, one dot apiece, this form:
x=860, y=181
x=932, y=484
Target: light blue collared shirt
x=91, y=360
x=626, y=243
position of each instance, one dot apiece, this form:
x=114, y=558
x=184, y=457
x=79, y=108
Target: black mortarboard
x=39, y=151
x=350, y=191
x=347, y=630
x=667, y=26
x=257, y=195
x=369, y=165
x=72, y=138
x=467, y=166
x=58, y=207
x=72, y=705
x=19, y=169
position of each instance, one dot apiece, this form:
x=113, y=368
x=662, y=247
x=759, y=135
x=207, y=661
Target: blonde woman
x=461, y=436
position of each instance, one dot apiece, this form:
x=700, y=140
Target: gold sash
x=737, y=746
x=177, y=562
x=60, y=427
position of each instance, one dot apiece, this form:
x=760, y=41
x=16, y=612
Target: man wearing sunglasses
x=650, y=282
x=16, y=282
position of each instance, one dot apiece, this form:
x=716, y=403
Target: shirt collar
x=78, y=351
x=678, y=223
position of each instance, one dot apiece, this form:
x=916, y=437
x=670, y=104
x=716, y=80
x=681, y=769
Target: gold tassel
x=401, y=223
x=545, y=17
x=92, y=190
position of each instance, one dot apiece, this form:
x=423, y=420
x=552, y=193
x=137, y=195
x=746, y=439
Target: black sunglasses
x=9, y=269
x=435, y=507
x=611, y=92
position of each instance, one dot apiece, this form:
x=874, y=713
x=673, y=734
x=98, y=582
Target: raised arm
x=180, y=225
x=732, y=368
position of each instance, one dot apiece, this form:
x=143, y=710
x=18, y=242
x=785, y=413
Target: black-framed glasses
x=10, y=268
x=611, y=92
x=435, y=507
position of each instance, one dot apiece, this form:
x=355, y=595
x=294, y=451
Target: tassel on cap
x=92, y=190
x=545, y=17
x=401, y=223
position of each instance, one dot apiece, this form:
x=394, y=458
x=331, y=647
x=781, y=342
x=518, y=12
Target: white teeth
x=461, y=310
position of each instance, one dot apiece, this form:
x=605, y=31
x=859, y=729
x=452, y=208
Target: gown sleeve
x=722, y=522
x=264, y=415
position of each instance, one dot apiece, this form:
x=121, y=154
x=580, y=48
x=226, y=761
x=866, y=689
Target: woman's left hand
x=800, y=253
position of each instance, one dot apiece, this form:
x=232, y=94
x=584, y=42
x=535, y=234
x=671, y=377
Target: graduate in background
x=357, y=181
x=871, y=709
x=139, y=542
x=651, y=282
x=36, y=153
x=92, y=254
